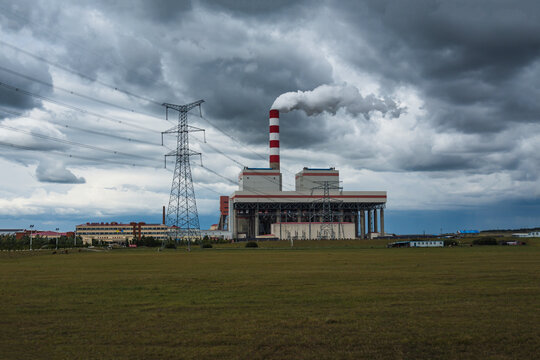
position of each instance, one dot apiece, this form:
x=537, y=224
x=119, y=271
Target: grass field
x=324, y=300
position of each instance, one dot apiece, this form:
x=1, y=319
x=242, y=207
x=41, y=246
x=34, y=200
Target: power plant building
x=317, y=208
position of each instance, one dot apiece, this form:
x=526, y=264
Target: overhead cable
x=90, y=131
x=79, y=74
x=71, y=107
x=73, y=143
x=71, y=92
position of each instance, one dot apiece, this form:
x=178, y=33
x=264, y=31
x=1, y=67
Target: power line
x=95, y=79
x=63, y=124
x=102, y=160
x=79, y=74
x=106, y=102
x=58, y=153
x=235, y=183
x=87, y=97
x=83, y=145
x=238, y=142
x=230, y=136
x=73, y=143
x=71, y=107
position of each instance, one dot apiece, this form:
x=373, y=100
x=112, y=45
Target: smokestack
x=274, y=139
x=163, y=215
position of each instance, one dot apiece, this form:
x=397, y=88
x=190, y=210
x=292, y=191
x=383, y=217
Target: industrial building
x=120, y=233
x=318, y=208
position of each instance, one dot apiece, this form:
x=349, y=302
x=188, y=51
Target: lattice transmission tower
x=182, y=210
x=327, y=214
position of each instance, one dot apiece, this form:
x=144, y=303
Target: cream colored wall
x=301, y=230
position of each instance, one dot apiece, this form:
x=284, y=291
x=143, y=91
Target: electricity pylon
x=327, y=226
x=182, y=210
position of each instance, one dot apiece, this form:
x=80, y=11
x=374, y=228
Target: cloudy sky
x=436, y=102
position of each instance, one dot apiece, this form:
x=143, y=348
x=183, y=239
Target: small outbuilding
x=417, y=243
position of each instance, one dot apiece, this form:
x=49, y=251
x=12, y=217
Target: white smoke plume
x=331, y=98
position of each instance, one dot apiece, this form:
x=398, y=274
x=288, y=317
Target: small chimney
x=274, y=139
x=163, y=215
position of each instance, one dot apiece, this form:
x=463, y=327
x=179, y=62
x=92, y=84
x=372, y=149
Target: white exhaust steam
x=331, y=98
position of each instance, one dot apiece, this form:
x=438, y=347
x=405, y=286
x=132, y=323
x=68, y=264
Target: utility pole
x=182, y=210
x=31, y=228
x=57, y=238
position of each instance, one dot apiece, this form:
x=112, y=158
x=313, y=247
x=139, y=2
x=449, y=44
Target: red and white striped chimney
x=274, y=139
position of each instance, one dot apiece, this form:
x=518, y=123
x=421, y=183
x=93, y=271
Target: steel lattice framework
x=327, y=228
x=182, y=210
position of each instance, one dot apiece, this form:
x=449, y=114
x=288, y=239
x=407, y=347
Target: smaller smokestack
x=163, y=215
x=274, y=139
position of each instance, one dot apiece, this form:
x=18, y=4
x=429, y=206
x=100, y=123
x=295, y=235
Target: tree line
x=10, y=242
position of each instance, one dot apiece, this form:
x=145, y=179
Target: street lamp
x=57, y=238
x=31, y=228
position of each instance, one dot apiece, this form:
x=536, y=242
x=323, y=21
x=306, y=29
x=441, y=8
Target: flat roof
x=119, y=224
x=299, y=196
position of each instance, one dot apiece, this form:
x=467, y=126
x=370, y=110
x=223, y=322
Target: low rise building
x=120, y=233
x=527, y=235
x=417, y=243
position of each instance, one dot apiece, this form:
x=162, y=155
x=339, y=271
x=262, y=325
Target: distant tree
x=450, y=242
x=485, y=241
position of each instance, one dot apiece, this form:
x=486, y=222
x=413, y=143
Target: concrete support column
x=257, y=221
x=375, y=222
x=340, y=227
x=362, y=224
x=355, y=221
x=299, y=216
x=382, y=221
x=280, y=233
x=369, y=223
x=235, y=222
x=310, y=215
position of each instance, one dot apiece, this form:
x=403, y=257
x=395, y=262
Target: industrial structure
x=120, y=233
x=182, y=215
x=318, y=208
x=223, y=213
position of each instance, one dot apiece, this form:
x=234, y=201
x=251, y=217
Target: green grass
x=323, y=300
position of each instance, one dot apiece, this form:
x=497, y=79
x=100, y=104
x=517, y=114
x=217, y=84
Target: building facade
x=318, y=208
x=120, y=233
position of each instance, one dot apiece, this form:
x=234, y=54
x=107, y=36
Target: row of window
x=120, y=233
x=121, y=228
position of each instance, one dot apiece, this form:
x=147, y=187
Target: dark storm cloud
x=474, y=64
x=239, y=91
x=438, y=163
x=55, y=172
x=11, y=98
x=156, y=10
x=260, y=8
x=459, y=53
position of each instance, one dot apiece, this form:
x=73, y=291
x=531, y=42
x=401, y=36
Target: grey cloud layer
x=475, y=65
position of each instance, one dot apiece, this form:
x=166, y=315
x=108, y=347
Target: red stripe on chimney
x=274, y=143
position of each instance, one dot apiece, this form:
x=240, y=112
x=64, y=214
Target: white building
x=527, y=235
x=426, y=243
